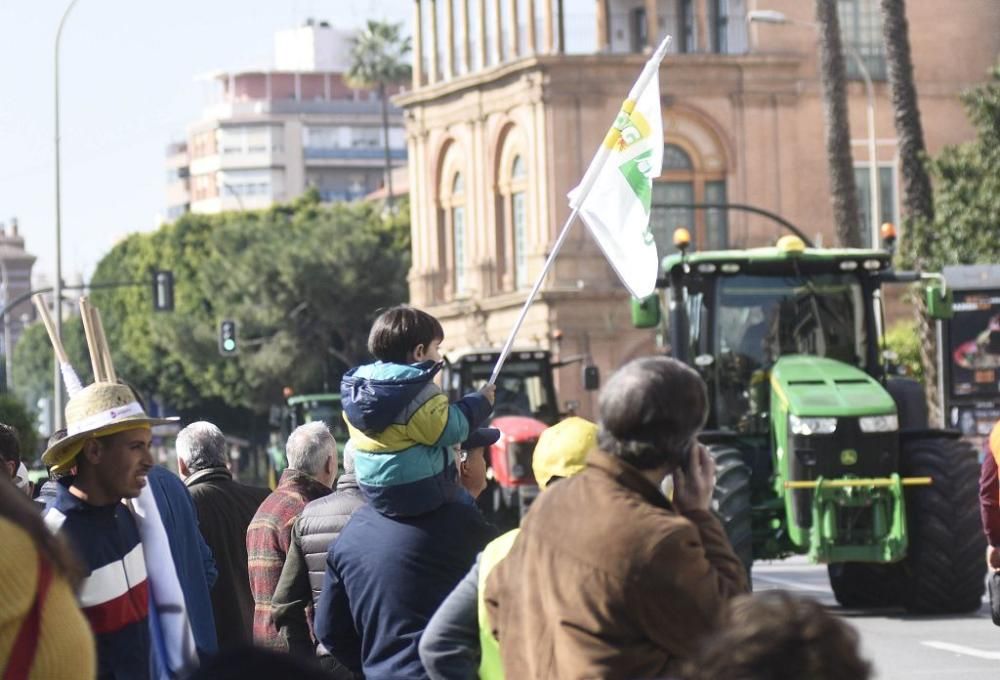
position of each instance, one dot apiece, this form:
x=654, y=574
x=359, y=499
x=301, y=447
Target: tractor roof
x=308, y=398
x=482, y=354
x=783, y=257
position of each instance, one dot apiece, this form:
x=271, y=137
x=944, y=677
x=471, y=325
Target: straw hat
x=97, y=410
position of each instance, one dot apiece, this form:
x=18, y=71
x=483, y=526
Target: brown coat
x=607, y=580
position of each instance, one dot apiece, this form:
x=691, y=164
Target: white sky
x=128, y=89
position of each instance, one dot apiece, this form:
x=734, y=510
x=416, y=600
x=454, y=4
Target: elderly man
x=312, y=469
x=225, y=508
x=638, y=583
x=302, y=577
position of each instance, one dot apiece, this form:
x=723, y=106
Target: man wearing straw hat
x=108, y=442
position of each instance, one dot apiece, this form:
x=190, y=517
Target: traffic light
x=163, y=291
x=228, y=345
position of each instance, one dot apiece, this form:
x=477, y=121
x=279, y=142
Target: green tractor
x=300, y=409
x=818, y=449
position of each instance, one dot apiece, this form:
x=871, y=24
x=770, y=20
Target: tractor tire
x=911, y=404
x=731, y=500
x=944, y=570
x=863, y=585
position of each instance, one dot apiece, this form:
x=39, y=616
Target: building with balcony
x=511, y=98
x=272, y=133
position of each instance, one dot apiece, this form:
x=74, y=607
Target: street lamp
x=57, y=297
x=771, y=16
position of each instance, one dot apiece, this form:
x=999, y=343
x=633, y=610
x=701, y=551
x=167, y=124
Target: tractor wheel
x=731, y=500
x=862, y=585
x=944, y=570
x=910, y=403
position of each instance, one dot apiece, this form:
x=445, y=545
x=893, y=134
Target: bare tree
x=844, y=193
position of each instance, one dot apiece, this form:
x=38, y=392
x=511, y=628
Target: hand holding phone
x=694, y=483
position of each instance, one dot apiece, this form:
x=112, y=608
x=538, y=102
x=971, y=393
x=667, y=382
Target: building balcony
x=278, y=107
x=355, y=153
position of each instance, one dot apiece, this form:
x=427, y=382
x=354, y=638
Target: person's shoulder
x=995, y=442
x=18, y=561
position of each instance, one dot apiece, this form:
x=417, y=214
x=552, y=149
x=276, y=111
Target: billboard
x=970, y=352
x=973, y=348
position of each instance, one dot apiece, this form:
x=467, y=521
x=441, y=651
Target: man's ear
x=91, y=451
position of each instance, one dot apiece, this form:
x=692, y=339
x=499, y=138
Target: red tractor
x=525, y=406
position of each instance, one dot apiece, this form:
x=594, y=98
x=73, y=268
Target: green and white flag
x=615, y=203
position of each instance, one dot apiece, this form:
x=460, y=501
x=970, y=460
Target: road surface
x=899, y=645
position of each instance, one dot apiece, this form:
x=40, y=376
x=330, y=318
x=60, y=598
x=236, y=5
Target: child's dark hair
x=398, y=331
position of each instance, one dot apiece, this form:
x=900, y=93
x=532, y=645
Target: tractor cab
x=735, y=314
x=525, y=386
x=525, y=406
x=298, y=410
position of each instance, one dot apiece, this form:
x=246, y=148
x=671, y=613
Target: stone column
x=701, y=26
x=433, y=57
x=652, y=24
x=497, y=32
x=602, y=25
x=418, y=46
x=548, y=21
x=465, y=56
x=532, y=42
x=481, y=32
x=449, y=37
x=514, y=34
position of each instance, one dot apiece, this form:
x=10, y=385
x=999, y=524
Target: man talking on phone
x=608, y=578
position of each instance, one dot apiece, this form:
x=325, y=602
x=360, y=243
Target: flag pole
x=534, y=292
x=649, y=71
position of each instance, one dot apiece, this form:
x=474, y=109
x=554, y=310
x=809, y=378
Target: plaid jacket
x=267, y=544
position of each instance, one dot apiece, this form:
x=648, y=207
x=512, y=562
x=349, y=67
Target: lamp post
x=770, y=16
x=57, y=409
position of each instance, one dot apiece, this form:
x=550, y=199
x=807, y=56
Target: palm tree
x=838, y=132
x=379, y=59
x=918, y=198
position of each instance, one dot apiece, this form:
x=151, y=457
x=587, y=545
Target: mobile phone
x=686, y=454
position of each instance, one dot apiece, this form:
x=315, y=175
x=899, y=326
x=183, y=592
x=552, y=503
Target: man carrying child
x=401, y=554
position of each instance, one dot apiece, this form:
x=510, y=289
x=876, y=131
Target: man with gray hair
x=312, y=469
x=225, y=508
x=637, y=586
x=301, y=579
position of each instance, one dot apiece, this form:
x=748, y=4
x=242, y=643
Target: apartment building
x=272, y=133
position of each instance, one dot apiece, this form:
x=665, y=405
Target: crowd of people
x=388, y=570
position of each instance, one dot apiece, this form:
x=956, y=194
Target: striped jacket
x=114, y=596
x=268, y=537
x=401, y=425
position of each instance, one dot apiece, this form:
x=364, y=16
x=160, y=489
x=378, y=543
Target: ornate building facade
x=511, y=98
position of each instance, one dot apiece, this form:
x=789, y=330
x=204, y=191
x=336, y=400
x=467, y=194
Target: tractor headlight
x=887, y=423
x=808, y=426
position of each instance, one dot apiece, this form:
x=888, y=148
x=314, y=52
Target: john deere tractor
x=819, y=451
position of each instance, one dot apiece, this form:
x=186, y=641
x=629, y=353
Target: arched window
x=452, y=233
x=512, y=218
x=458, y=240
x=683, y=182
x=519, y=214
